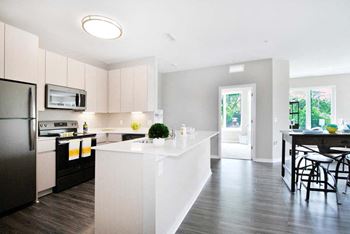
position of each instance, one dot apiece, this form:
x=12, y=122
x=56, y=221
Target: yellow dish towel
x=86, y=148
x=74, y=149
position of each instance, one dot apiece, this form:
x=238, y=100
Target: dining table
x=322, y=141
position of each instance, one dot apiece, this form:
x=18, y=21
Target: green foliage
x=233, y=108
x=321, y=108
x=158, y=130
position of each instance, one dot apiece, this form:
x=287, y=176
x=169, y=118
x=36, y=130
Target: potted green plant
x=158, y=132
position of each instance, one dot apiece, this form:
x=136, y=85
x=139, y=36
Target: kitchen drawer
x=46, y=145
x=114, y=137
x=46, y=170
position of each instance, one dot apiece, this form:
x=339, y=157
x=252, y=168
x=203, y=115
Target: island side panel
x=178, y=183
x=120, y=182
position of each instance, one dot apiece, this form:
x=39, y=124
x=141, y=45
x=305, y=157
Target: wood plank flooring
x=240, y=197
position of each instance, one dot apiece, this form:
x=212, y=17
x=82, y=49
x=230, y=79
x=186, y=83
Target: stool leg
x=335, y=187
x=337, y=170
x=309, y=182
x=325, y=181
x=298, y=166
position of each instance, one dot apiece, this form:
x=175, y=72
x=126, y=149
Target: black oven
x=73, y=172
x=70, y=172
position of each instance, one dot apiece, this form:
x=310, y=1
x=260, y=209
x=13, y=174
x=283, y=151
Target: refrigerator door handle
x=32, y=113
x=32, y=131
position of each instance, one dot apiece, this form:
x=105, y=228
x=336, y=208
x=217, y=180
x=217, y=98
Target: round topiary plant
x=158, y=130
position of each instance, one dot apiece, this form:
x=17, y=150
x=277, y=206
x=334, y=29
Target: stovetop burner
x=61, y=129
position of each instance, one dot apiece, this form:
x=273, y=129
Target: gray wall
x=191, y=97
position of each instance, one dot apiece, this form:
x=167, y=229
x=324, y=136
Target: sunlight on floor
x=235, y=150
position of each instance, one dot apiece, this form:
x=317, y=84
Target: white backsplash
x=118, y=120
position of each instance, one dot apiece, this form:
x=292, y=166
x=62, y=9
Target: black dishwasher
x=126, y=137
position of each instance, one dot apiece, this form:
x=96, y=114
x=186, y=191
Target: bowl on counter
x=332, y=128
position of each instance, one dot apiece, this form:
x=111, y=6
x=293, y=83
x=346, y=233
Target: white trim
x=188, y=206
x=267, y=160
x=253, y=116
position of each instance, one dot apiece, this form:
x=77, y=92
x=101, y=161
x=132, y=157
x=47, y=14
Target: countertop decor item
x=135, y=125
x=158, y=132
x=332, y=128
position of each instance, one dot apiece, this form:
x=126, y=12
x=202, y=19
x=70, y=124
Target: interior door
x=15, y=100
x=17, y=163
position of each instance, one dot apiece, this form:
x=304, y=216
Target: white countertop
x=171, y=147
x=118, y=131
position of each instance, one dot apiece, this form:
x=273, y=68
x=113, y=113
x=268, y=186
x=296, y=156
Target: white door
x=237, y=121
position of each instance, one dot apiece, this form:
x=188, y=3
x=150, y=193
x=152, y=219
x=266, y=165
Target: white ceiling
x=313, y=34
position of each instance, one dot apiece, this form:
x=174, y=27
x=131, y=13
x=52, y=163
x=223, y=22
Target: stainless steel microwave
x=59, y=97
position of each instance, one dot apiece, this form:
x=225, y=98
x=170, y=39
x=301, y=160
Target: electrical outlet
x=121, y=122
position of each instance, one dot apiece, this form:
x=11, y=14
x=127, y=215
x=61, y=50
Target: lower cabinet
x=46, y=167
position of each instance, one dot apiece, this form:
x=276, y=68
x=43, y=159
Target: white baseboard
x=267, y=160
x=215, y=156
x=188, y=206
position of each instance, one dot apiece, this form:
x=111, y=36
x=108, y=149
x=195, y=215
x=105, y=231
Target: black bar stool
x=348, y=179
x=317, y=167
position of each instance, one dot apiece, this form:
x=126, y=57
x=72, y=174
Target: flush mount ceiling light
x=101, y=27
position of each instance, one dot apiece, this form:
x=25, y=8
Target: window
x=231, y=110
x=316, y=106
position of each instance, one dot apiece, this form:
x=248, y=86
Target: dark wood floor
x=240, y=197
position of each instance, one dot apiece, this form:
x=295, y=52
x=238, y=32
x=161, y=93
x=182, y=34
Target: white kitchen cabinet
x=140, y=88
x=91, y=87
x=114, y=137
x=127, y=89
x=41, y=80
x=76, y=73
x=114, y=91
x=21, y=55
x=102, y=91
x=56, y=69
x=2, y=49
x=46, y=166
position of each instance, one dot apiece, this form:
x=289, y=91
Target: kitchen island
x=143, y=188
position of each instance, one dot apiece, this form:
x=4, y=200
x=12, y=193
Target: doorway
x=237, y=108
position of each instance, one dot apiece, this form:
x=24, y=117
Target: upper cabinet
x=96, y=86
x=114, y=89
x=56, y=69
x=141, y=88
x=102, y=91
x=2, y=49
x=21, y=55
x=76, y=73
x=41, y=80
x=91, y=87
x=127, y=89
x=137, y=88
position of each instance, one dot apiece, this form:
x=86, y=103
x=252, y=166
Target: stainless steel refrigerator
x=17, y=144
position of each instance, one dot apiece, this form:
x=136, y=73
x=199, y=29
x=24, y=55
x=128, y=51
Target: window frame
x=307, y=91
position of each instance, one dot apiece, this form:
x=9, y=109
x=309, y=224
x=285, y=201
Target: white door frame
x=253, y=115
